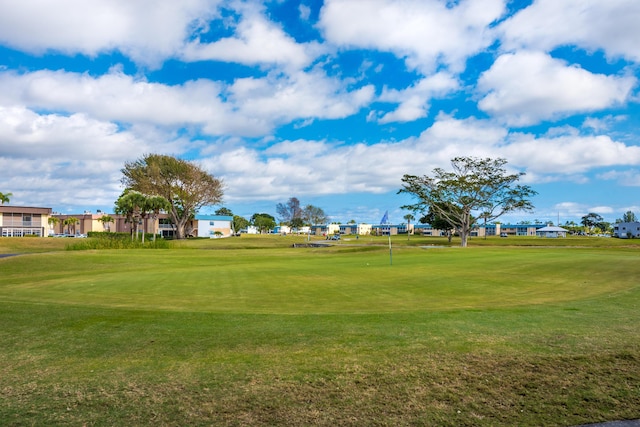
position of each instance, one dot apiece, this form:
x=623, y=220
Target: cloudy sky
x=328, y=101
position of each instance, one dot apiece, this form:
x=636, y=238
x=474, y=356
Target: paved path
x=7, y=255
x=627, y=423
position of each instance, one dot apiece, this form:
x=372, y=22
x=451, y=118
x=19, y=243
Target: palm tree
x=53, y=221
x=484, y=216
x=129, y=205
x=409, y=218
x=154, y=205
x=4, y=198
x=105, y=220
x=151, y=206
x=135, y=206
x=70, y=223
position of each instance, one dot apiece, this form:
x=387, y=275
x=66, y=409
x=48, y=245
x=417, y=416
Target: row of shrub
x=118, y=236
x=108, y=240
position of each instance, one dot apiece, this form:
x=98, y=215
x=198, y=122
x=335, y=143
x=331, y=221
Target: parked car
x=504, y=235
x=334, y=237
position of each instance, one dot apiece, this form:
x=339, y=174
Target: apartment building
x=18, y=221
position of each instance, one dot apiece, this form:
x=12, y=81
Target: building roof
x=538, y=226
x=551, y=229
x=24, y=209
x=214, y=217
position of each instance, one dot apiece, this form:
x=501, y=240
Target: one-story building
x=325, y=230
x=427, y=230
x=354, y=228
x=499, y=229
x=552, y=232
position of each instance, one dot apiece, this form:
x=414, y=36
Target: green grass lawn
x=252, y=331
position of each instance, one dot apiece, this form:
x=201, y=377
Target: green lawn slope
x=252, y=331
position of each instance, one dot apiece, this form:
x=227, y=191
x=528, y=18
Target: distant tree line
x=292, y=214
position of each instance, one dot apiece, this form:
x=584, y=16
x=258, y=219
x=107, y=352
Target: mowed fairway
x=255, y=332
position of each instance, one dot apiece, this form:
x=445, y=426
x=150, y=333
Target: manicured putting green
x=303, y=281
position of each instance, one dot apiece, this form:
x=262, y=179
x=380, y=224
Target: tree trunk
x=463, y=238
x=180, y=234
x=144, y=227
x=179, y=223
x=155, y=218
x=465, y=229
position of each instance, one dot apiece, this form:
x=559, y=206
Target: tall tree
x=5, y=198
x=628, y=217
x=296, y=222
x=592, y=220
x=183, y=184
x=263, y=222
x=239, y=223
x=314, y=215
x=409, y=218
x=290, y=211
x=475, y=186
x=223, y=212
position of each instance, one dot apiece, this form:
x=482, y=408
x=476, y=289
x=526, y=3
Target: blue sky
x=327, y=101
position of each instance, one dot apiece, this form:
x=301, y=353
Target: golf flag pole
x=385, y=221
x=390, y=253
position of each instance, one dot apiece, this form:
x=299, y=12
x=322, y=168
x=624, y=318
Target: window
x=19, y=232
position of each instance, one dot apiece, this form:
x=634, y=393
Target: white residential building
x=213, y=226
x=625, y=230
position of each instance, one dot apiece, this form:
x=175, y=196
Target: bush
x=107, y=240
x=119, y=235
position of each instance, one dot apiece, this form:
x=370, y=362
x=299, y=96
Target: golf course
x=254, y=331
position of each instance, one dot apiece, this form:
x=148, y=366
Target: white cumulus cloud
x=610, y=25
x=248, y=107
x=256, y=40
x=148, y=31
x=414, y=101
x=527, y=87
x=424, y=32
